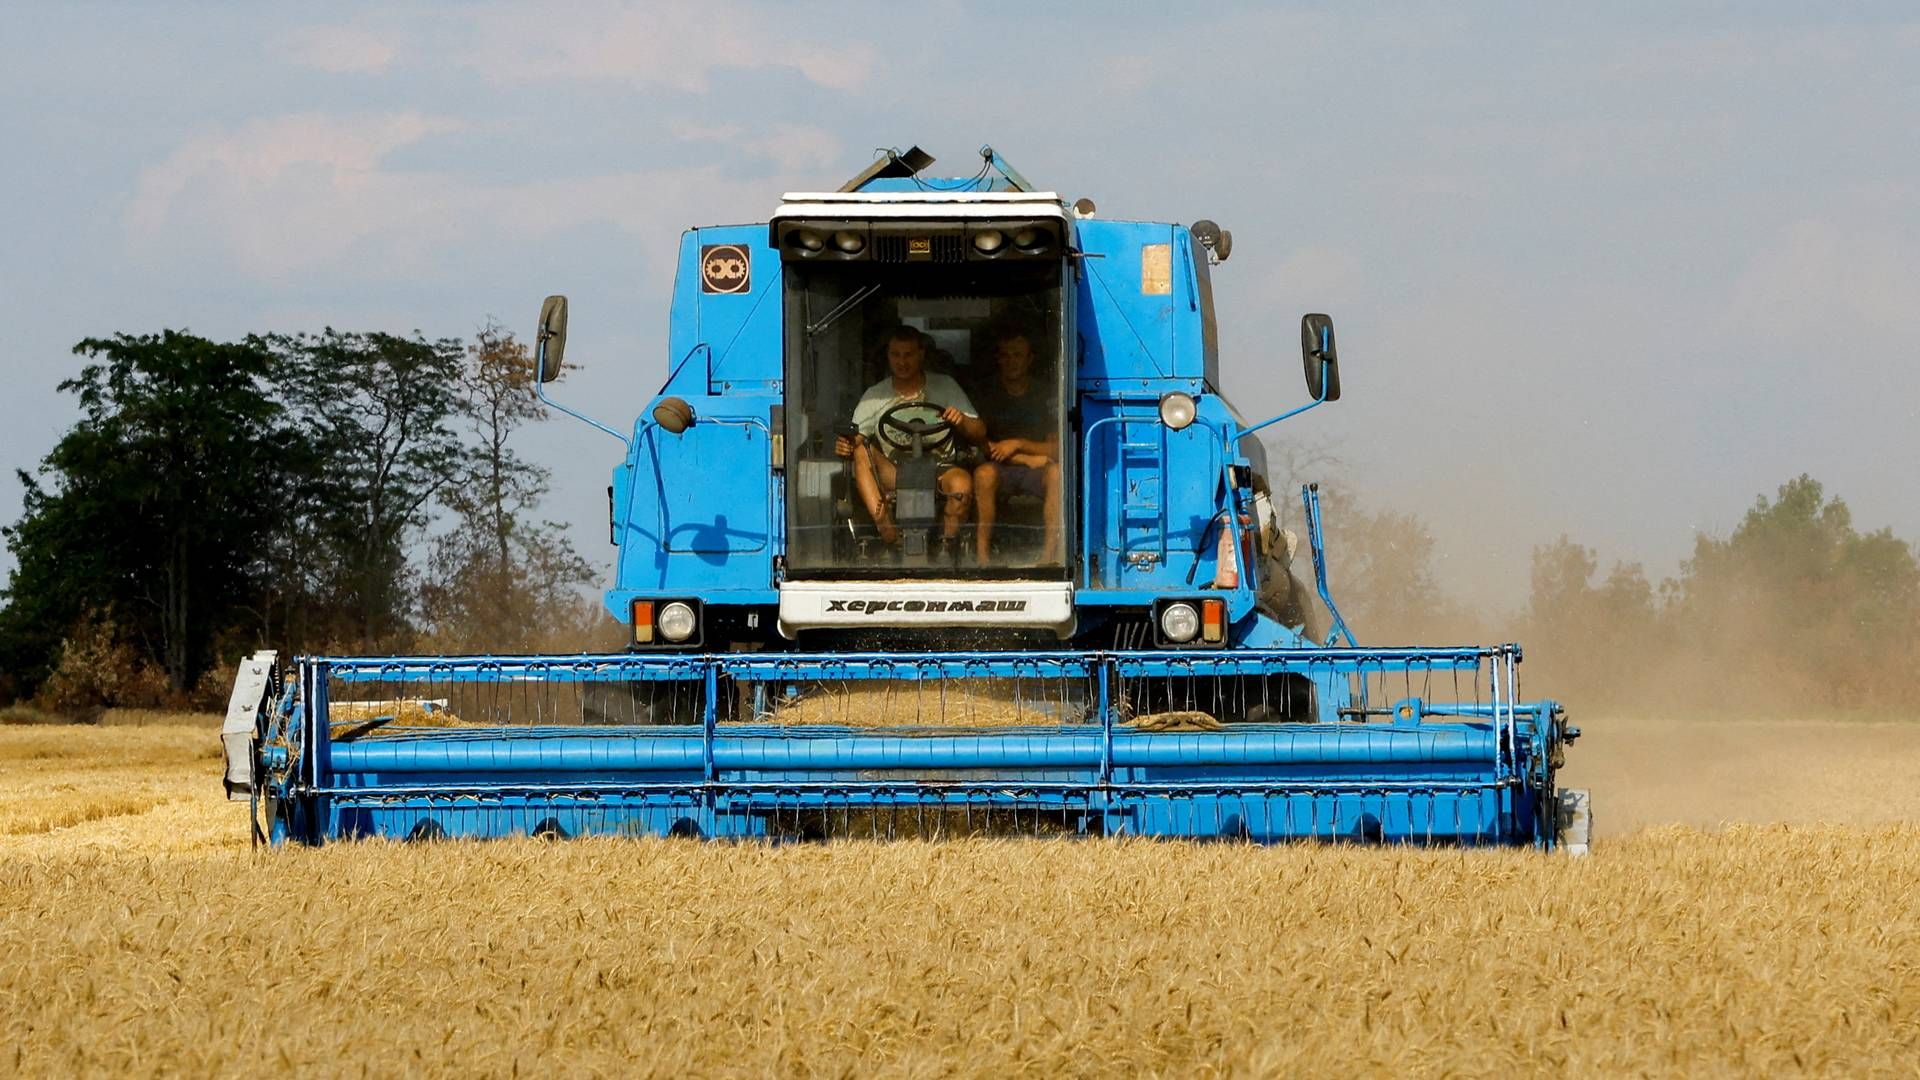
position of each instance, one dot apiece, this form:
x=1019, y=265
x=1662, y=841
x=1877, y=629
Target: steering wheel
x=898, y=426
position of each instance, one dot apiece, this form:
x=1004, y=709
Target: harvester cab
x=943, y=405
x=941, y=514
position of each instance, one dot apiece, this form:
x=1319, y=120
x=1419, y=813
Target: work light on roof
x=1032, y=240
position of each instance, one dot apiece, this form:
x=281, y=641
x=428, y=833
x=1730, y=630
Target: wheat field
x=140, y=935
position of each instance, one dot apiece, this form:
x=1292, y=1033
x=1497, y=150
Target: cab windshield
x=924, y=419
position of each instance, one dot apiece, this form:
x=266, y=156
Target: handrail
x=1310, y=495
x=1086, y=505
x=722, y=421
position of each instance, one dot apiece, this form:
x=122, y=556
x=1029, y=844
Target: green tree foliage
x=278, y=492
x=380, y=408
x=150, y=509
x=1831, y=614
x=1795, y=608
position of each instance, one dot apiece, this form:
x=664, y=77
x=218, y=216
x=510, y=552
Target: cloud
x=340, y=50
x=282, y=193
x=676, y=44
x=1317, y=279
x=1834, y=276
x=791, y=148
x=1744, y=52
x=311, y=193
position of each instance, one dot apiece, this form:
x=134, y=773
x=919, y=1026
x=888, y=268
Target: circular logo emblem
x=725, y=268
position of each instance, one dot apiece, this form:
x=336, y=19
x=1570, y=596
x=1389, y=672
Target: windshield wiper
x=859, y=297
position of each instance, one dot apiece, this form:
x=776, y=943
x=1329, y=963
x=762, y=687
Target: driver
x=908, y=381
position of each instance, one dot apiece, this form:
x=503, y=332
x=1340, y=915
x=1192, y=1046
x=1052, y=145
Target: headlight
x=677, y=623
x=849, y=242
x=806, y=239
x=1177, y=410
x=1032, y=240
x=989, y=241
x=1179, y=623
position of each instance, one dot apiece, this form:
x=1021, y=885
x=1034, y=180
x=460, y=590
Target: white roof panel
x=931, y=196
x=909, y=205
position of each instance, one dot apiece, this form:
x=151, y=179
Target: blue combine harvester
x=941, y=525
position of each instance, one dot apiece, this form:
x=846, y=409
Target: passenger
x=1023, y=447
x=874, y=475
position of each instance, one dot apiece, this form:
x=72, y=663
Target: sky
x=1607, y=271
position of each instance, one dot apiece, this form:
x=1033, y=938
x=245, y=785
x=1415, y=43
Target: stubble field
x=139, y=934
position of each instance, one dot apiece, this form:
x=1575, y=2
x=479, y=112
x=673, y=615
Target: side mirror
x=550, y=341
x=1318, y=358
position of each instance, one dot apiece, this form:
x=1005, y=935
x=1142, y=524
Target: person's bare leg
x=870, y=487
x=986, y=484
x=889, y=478
x=956, y=484
x=1050, y=514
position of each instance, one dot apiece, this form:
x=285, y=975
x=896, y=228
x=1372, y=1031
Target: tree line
x=336, y=491
x=1794, y=609
x=362, y=492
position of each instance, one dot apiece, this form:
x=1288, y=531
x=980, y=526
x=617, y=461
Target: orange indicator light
x=1213, y=620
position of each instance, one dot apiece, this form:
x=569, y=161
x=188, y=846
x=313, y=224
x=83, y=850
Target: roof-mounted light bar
x=901, y=241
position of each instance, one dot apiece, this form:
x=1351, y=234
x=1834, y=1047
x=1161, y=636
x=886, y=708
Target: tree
x=151, y=509
x=1818, y=611
x=379, y=406
x=501, y=578
x=1585, y=638
x=1380, y=563
x=1381, y=572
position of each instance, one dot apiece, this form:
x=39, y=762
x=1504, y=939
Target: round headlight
x=849, y=242
x=676, y=622
x=1179, y=623
x=806, y=239
x=1031, y=239
x=988, y=241
x=1177, y=410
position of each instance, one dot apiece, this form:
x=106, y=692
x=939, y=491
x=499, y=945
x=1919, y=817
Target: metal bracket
x=243, y=722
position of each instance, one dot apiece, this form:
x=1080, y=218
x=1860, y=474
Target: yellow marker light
x=1156, y=269
x=643, y=622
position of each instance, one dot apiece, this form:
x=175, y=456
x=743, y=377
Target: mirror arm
x=1321, y=400
x=540, y=391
